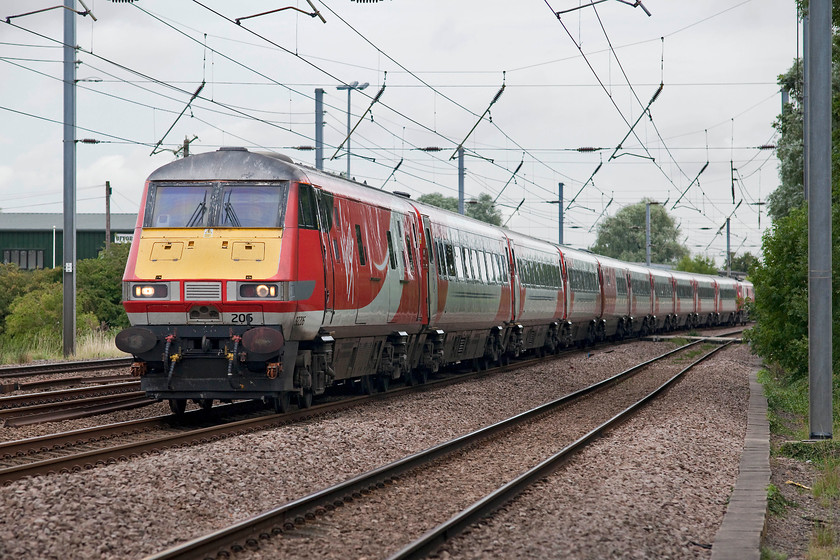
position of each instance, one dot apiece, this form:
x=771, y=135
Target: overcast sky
x=442, y=64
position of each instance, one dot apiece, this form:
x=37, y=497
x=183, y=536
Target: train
x=251, y=276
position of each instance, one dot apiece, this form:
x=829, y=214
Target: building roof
x=84, y=222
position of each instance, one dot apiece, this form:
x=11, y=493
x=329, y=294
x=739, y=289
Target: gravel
x=133, y=509
x=656, y=487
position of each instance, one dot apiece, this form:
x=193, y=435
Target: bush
x=38, y=317
x=15, y=282
x=781, y=294
x=99, y=286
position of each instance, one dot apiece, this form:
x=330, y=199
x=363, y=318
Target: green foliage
x=698, y=265
x=789, y=148
x=38, y=316
x=770, y=554
x=777, y=504
x=31, y=301
x=99, y=283
x=744, y=263
x=623, y=236
x=781, y=293
x=436, y=199
x=827, y=485
x=15, y=282
x=481, y=208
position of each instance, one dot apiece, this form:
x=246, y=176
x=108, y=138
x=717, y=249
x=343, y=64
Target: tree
x=36, y=317
x=481, y=208
x=15, y=283
x=699, y=265
x=781, y=277
x=623, y=236
x=744, y=263
x=99, y=283
x=436, y=199
x=789, y=148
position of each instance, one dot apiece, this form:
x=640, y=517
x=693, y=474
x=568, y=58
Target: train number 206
x=242, y=318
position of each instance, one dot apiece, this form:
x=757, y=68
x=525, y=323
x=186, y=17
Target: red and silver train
x=252, y=277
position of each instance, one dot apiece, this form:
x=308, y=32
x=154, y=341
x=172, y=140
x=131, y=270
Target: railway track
x=51, y=406
x=340, y=507
x=86, y=448
x=30, y=370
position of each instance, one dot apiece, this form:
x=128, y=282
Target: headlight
x=258, y=290
x=147, y=291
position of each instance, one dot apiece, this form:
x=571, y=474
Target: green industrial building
x=37, y=240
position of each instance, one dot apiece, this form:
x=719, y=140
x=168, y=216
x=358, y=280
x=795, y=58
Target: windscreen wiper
x=198, y=213
x=230, y=213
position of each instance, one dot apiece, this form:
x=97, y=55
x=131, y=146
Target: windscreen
x=227, y=205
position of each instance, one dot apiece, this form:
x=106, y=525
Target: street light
x=350, y=87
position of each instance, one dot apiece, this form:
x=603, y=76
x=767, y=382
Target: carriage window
x=336, y=252
x=409, y=247
x=307, y=209
x=450, y=261
x=503, y=268
x=476, y=263
x=391, y=251
x=361, y=246
x=465, y=264
x=429, y=246
x=459, y=261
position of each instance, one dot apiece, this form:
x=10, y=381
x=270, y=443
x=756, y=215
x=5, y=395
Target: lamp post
x=350, y=87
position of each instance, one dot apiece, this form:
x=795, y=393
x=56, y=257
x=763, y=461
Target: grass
x=787, y=404
x=788, y=413
x=770, y=554
x=93, y=344
x=690, y=355
x=827, y=486
x=777, y=504
x=679, y=341
x=823, y=544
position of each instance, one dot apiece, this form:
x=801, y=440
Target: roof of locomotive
x=230, y=164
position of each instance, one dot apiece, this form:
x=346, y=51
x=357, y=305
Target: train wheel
x=205, y=404
x=178, y=406
x=366, y=385
x=281, y=402
x=305, y=399
x=383, y=382
x=421, y=375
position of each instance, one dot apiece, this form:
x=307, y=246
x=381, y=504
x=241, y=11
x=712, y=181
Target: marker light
x=258, y=290
x=151, y=290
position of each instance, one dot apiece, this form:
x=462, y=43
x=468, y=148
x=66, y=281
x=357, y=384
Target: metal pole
x=350, y=87
x=69, y=233
x=461, y=180
x=560, y=210
x=319, y=129
x=348, y=131
x=728, y=253
x=805, y=102
x=108, y=211
x=818, y=86
x=647, y=234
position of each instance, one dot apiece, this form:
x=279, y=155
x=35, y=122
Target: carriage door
x=515, y=295
x=430, y=268
x=327, y=230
